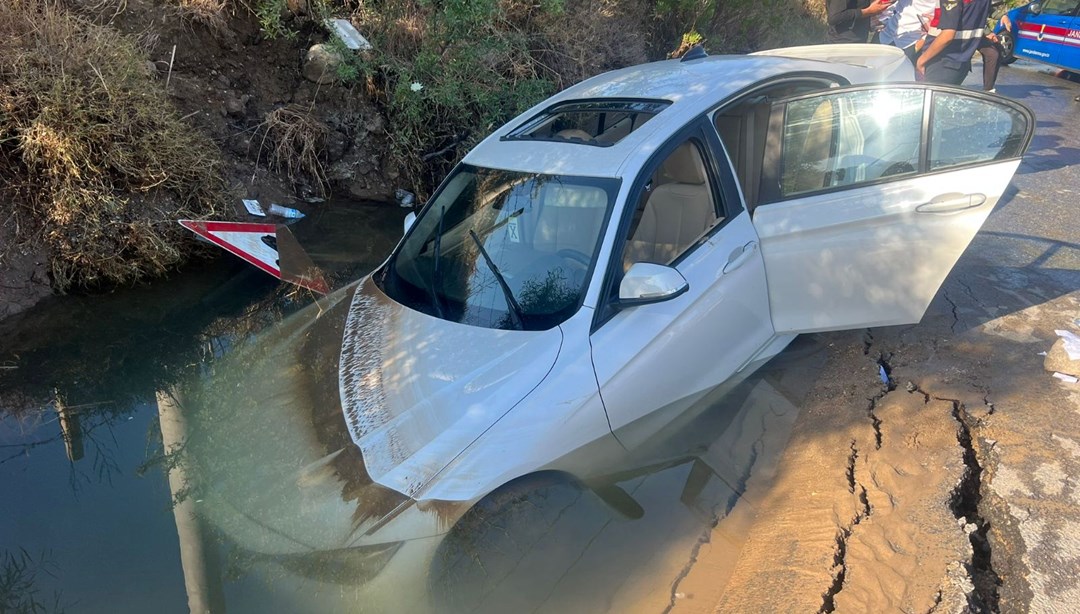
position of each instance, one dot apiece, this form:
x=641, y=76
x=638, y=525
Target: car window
x=502, y=249
x=966, y=130
x=1058, y=7
x=676, y=208
x=744, y=124
x=850, y=138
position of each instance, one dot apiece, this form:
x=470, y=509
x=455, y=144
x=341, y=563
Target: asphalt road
x=1022, y=273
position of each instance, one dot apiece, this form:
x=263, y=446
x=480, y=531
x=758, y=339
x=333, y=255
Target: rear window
x=592, y=122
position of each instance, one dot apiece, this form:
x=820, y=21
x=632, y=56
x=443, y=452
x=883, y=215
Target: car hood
x=417, y=390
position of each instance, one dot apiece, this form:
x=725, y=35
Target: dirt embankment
x=161, y=117
x=232, y=74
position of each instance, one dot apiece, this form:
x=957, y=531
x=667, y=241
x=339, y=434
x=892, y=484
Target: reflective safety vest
x=968, y=19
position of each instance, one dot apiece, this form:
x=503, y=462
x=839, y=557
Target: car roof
x=693, y=87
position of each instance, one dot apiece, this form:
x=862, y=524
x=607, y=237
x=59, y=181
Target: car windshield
x=502, y=249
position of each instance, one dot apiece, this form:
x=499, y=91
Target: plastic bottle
x=283, y=211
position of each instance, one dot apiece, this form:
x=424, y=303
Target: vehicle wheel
x=517, y=540
x=1008, y=45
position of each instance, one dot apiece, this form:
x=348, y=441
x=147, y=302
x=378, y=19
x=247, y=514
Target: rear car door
x=870, y=194
x=1045, y=36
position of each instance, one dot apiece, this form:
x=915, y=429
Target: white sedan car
x=596, y=266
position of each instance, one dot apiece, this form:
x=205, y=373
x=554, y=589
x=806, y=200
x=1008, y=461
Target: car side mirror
x=409, y=219
x=1035, y=8
x=646, y=282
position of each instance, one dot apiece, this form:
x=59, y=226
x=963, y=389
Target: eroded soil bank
x=951, y=489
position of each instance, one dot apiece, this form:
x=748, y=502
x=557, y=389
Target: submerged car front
x=324, y=444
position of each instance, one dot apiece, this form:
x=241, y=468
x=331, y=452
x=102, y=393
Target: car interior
x=676, y=209
x=744, y=124
x=602, y=122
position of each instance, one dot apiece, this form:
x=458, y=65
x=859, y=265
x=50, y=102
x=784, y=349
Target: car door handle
x=736, y=260
x=951, y=203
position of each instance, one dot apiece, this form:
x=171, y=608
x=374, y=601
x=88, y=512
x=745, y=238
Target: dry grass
x=211, y=13
x=294, y=141
x=92, y=150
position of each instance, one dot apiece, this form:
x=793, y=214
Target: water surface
x=135, y=426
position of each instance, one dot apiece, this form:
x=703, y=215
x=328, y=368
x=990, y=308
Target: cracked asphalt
x=957, y=487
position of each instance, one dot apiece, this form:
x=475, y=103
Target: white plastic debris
x=348, y=34
x=884, y=376
x=1068, y=379
x=253, y=207
x=1072, y=343
x=404, y=197
x=283, y=211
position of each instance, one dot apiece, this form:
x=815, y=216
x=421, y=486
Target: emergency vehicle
x=1047, y=31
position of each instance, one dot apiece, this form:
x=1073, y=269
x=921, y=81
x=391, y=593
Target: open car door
x=870, y=194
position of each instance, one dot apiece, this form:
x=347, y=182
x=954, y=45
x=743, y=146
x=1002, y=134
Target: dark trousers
x=946, y=72
x=991, y=56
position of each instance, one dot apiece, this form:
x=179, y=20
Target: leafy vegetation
x=449, y=72
x=94, y=160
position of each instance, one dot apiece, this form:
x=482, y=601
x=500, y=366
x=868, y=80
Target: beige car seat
x=573, y=134
x=810, y=154
x=678, y=211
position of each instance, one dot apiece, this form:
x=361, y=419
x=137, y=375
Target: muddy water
x=160, y=448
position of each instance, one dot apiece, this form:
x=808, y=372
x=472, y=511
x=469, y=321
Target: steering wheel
x=572, y=254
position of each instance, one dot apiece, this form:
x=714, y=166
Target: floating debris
x=284, y=211
x=405, y=198
x=253, y=207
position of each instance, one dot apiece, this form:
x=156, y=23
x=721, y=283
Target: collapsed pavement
x=970, y=462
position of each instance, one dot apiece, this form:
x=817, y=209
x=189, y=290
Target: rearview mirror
x=409, y=219
x=646, y=282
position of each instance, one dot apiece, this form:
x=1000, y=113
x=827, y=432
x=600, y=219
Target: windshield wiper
x=515, y=309
x=433, y=288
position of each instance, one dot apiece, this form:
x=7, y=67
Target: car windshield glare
x=502, y=249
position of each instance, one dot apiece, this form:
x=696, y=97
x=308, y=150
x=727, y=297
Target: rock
x=151, y=68
x=336, y=144
x=321, y=63
x=236, y=106
x=375, y=124
x=1058, y=360
x=297, y=7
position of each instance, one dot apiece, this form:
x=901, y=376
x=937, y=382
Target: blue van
x=1047, y=31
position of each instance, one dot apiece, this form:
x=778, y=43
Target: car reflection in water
x=277, y=479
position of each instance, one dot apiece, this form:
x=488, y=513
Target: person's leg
x=991, y=57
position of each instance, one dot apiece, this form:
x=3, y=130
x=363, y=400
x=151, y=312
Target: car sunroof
x=592, y=122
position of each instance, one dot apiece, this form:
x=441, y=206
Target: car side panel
x=660, y=358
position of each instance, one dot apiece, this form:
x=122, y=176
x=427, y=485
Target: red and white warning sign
x=270, y=247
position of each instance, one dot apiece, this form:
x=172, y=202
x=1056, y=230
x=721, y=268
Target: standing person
x=849, y=20
x=946, y=58
x=905, y=24
x=990, y=50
